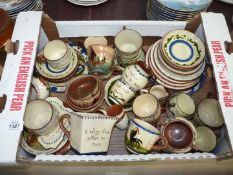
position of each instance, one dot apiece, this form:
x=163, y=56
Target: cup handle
x=117, y=69
x=101, y=111
x=162, y=147
x=161, y=123
x=61, y=124
x=41, y=59
x=144, y=91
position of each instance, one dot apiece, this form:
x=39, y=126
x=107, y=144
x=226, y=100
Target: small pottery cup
x=179, y=133
x=40, y=117
x=180, y=105
x=158, y=91
x=128, y=43
x=206, y=139
x=100, y=60
x=147, y=108
x=141, y=137
x=136, y=75
x=121, y=92
x=83, y=90
x=40, y=87
x=118, y=112
x=209, y=113
x=56, y=54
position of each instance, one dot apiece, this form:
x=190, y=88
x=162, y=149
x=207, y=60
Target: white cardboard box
x=28, y=31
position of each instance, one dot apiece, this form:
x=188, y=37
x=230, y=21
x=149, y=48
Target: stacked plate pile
x=177, y=60
x=14, y=7
x=87, y=2
x=180, y=10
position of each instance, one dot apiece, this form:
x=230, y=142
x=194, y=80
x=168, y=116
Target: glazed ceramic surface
x=183, y=49
x=56, y=54
x=141, y=136
x=128, y=43
x=181, y=105
x=90, y=133
x=100, y=59
x=180, y=135
x=118, y=112
x=127, y=107
x=136, y=76
x=212, y=118
x=40, y=117
x=121, y=92
x=41, y=88
x=206, y=139
x=48, y=72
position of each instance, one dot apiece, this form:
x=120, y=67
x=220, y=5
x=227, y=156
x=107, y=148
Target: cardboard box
x=31, y=31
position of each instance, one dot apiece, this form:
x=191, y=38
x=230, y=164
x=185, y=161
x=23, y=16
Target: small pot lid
x=5, y=19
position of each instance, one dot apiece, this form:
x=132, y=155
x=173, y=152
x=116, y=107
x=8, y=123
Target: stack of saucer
x=84, y=93
x=87, y=2
x=178, y=10
x=177, y=60
x=14, y=7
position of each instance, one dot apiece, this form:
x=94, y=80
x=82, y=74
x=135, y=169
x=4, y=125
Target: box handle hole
x=3, y=102
x=12, y=47
x=228, y=47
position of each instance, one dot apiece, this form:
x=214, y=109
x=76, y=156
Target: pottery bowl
x=83, y=90
x=206, y=139
x=180, y=135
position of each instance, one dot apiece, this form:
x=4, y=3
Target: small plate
x=50, y=73
x=156, y=64
x=108, y=86
x=182, y=49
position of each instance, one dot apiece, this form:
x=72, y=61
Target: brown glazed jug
x=6, y=30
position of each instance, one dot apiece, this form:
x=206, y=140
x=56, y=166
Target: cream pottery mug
x=136, y=75
x=147, y=108
x=128, y=43
x=141, y=137
x=181, y=105
x=91, y=132
x=56, y=54
x=40, y=117
x=121, y=92
x=209, y=114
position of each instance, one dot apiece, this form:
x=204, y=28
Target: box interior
x=151, y=32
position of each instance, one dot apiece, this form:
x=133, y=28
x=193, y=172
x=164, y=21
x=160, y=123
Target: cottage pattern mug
x=141, y=137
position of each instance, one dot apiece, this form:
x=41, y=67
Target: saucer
x=36, y=148
x=59, y=87
x=167, y=72
x=182, y=49
x=91, y=108
x=127, y=107
x=48, y=72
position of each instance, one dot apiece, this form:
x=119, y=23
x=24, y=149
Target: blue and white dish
x=186, y=5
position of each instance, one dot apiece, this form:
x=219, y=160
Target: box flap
x=15, y=83
x=222, y=63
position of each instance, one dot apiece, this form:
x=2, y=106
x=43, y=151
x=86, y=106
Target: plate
x=87, y=3
x=186, y=5
x=182, y=49
x=167, y=72
x=50, y=73
x=177, y=71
